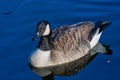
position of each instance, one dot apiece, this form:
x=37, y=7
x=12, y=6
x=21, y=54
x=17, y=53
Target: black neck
x=45, y=42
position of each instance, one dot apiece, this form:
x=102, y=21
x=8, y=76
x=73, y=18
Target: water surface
x=18, y=19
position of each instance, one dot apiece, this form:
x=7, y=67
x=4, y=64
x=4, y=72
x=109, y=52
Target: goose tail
x=96, y=32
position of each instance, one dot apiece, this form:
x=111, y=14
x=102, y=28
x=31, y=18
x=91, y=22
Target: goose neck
x=45, y=43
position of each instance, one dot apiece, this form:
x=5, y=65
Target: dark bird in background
x=67, y=49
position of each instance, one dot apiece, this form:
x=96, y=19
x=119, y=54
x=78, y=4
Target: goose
x=68, y=49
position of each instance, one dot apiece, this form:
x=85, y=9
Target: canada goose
x=67, y=49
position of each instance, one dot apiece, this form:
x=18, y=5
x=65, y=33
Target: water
x=18, y=19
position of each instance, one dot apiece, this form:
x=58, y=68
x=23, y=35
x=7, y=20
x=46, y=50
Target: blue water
x=18, y=19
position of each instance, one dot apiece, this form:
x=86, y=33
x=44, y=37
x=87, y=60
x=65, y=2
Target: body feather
x=71, y=42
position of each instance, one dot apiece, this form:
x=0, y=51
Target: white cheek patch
x=47, y=30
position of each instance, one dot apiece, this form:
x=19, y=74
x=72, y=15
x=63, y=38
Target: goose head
x=43, y=29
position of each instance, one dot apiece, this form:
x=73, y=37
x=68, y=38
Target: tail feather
x=96, y=32
x=104, y=25
x=101, y=25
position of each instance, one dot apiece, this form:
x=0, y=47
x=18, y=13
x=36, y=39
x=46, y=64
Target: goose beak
x=35, y=36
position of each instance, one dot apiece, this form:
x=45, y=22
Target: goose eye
x=39, y=29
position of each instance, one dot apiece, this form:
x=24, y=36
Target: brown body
x=70, y=49
x=70, y=42
x=67, y=69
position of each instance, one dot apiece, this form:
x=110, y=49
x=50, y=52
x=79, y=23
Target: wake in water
x=16, y=8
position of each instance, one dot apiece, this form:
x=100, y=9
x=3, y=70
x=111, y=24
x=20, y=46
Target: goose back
x=70, y=42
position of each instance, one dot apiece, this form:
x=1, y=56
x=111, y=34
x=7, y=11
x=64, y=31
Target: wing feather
x=71, y=37
x=71, y=43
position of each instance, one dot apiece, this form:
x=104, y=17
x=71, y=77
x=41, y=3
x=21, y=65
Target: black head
x=43, y=29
